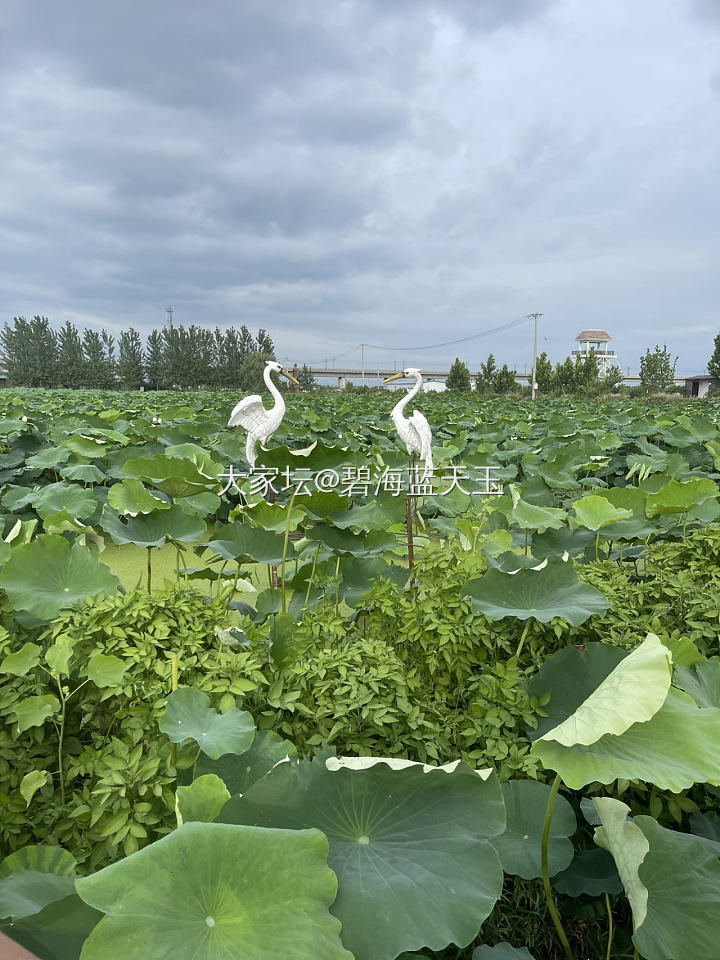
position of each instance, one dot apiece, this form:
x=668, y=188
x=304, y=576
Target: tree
x=458, y=377
x=107, y=374
x=486, y=374
x=71, y=362
x=130, y=362
x=30, y=352
x=543, y=374
x=265, y=344
x=155, y=361
x=613, y=378
x=564, y=381
x=713, y=367
x=504, y=380
x=251, y=372
x=246, y=343
x=306, y=379
x=94, y=356
x=657, y=370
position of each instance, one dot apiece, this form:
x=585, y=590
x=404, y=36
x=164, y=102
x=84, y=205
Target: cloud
x=405, y=172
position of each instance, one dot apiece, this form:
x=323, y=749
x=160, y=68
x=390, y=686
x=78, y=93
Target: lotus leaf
x=527, y=516
x=409, y=844
x=591, y=873
x=272, y=516
x=554, y=591
x=247, y=544
x=701, y=681
x=239, y=773
x=677, y=497
x=561, y=542
x=153, y=529
x=360, y=574
x=83, y=472
x=595, y=512
x=174, y=476
x=347, y=543
x=202, y=801
x=64, y=497
x=628, y=845
x=282, y=632
x=519, y=847
x=501, y=951
x=189, y=714
x=218, y=892
x=47, y=575
x=632, y=693
x=674, y=750
x=131, y=497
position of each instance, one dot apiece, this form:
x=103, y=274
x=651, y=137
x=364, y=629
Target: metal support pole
x=533, y=385
x=362, y=362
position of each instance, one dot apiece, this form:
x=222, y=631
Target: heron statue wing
x=424, y=435
x=249, y=413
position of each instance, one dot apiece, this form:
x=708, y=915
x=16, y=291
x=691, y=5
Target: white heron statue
x=414, y=431
x=250, y=413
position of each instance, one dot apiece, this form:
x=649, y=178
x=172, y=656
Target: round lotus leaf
x=519, y=847
x=701, y=681
x=409, y=844
x=47, y=575
x=83, y=472
x=239, y=773
x=359, y=575
x=177, y=477
x=632, y=693
x=188, y=714
x=41, y=858
x=553, y=591
x=674, y=749
x=273, y=516
x=595, y=512
x=68, y=497
x=627, y=844
x=591, y=873
x=202, y=800
x=501, y=951
x=217, y=892
x=528, y=516
x=677, y=497
x=248, y=544
x=153, y=529
x=347, y=543
x=570, y=676
x=131, y=497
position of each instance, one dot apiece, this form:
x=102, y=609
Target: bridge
x=373, y=376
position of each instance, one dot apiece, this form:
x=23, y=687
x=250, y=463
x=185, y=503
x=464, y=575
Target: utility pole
x=533, y=385
x=362, y=362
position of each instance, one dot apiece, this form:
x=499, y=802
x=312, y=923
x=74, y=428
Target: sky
x=395, y=172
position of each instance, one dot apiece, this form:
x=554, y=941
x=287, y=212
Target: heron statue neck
x=279, y=406
x=399, y=407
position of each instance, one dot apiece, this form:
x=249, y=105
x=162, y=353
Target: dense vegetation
x=565, y=628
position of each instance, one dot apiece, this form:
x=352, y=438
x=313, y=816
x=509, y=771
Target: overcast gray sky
x=399, y=172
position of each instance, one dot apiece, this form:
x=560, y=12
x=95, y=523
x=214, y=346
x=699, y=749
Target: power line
x=450, y=343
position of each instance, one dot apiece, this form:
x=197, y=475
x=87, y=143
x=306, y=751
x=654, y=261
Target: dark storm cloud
x=383, y=170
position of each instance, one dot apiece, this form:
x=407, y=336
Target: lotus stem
x=610, y=926
x=522, y=638
x=310, y=581
x=61, y=735
x=408, y=524
x=597, y=543
x=174, y=686
x=149, y=570
x=550, y=899
x=337, y=585
x=284, y=553
x=526, y=542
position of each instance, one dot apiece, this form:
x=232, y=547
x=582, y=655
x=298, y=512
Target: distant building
x=700, y=385
x=598, y=341
x=433, y=386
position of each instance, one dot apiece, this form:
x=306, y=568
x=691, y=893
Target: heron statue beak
x=290, y=377
x=395, y=376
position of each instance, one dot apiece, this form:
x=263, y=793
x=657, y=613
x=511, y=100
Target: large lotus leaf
x=40, y=858
x=561, y=542
x=527, y=516
x=632, y=693
x=272, y=516
x=174, y=476
x=88, y=448
x=373, y=515
x=201, y=504
x=553, y=591
x=68, y=497
x=83, y=472
x=248, y=544
x=674, y=750
x=677, y=497
x=188, y=714
x=626, y=498
x=49, y=458
x=706, y=825
x=673, y=888
x=559, y=470
x=591, y=873
x=570, y=676
x=351, y=544
x=408, y=843
x=501, y=951
x=26, y=892
x=519, y=847
x=197, y=455
x=595, y=512
x=701, y=681
x=131, y=497
x=239, y=773
x=360, y=574
x=628, y=845
x=217, y=892
x=153, y=529
x=47, y=575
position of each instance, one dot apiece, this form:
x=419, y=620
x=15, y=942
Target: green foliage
x=504, y=380
x=458, y=377
x=657, y=370
x=306, y=379
x=713, y=367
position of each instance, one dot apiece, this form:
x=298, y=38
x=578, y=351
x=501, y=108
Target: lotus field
x=324, y=710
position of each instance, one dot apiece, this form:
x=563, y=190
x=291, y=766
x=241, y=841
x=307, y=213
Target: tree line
x=172, y=358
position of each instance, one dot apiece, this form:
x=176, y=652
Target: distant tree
x=713, y=367
x=251, y=372
x=234, y=353
x=543, y=374
x=458, y=377
x=486, y=374
x=612, y=379
x=590, y=369
x=564, y=377
x=657, y=370
x=306, y=379
x=130, y=360
x=155, y=361
x=71, y=362
x=265, y=344
x=14, y=343
x=504, y=380
x=108, y=373
x=246, y=343
x=94, y=357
